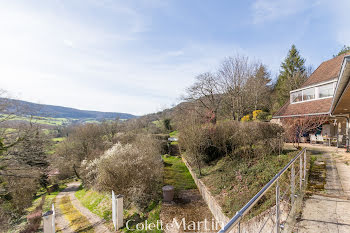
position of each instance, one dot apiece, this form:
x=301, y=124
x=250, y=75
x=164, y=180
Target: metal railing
x=235, y=222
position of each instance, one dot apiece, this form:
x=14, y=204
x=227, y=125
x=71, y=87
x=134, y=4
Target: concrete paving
x=328, y=211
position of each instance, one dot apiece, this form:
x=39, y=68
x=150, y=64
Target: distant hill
x=44, y=110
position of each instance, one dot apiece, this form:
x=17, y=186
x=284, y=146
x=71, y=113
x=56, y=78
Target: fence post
x=114, y=212
x=53, y=219
x=47, y=222
x=292, y=184
x=277, y=207
x=117, y=211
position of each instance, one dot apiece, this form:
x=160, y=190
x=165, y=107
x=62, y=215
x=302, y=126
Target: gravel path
x=63, y=224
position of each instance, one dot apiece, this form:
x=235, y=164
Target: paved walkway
x=63, y=224
x=328, y=210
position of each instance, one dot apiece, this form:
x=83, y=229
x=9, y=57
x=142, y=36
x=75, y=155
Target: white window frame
x=316, y=86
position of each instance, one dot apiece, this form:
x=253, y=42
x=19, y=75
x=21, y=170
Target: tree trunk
x=75, y=171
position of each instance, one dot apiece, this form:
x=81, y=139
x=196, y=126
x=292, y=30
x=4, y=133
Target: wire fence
x=280, y=197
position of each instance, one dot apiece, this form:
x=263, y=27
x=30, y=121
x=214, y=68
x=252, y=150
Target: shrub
x=263, y=116
x=167, y=124
x=230, y=138
x=245, y=118
x=256, y=113
x=133, y=170
x=194, y=140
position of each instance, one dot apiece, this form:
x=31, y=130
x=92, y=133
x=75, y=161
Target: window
x=325, y=90
x=309, y=94
x=315, y=92
x=296, y=96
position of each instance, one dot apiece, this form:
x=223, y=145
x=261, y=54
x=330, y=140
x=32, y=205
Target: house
x=325, y=93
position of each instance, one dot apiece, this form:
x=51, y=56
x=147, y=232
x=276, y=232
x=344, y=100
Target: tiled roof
x=304, y=108
x=326, y=71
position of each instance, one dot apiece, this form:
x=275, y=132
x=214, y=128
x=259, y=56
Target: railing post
x=292, y=184
x=304, y=165
x=300, y=172
x=277, y=207
x=239, y=227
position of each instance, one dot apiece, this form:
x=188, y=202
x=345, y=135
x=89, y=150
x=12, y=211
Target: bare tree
x=258, y=89
x=205, y=96
x=296, y=127
x=110, y=129
x=234, y=73
x=193, y=139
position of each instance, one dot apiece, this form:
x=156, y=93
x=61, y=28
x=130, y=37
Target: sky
x=139, y=56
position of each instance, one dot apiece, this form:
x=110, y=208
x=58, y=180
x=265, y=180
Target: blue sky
x=139, y=56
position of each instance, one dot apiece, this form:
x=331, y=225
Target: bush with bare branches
x=134, y=170
x=208, y=142
x=296, y=127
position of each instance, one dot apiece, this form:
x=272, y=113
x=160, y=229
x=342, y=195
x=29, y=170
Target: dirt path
x=327, y=210
x=64, y=225
x=188, y=206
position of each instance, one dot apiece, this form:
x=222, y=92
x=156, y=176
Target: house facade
x=325, y=93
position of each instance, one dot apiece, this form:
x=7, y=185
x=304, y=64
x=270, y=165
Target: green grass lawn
x=98, y=203
x=49, y=198
x=101, y=205
x=177, y=174
x=152, y=215
x=40, y=120
x=174, y=134
x=60, y=139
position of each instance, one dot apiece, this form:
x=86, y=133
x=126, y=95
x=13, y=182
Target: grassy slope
x=235, y=182
x=21, y=223
x=41, y=120
x=100, y=204
x=48, y=199
x=177, y=174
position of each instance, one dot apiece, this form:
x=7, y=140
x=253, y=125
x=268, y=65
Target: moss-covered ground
x=177, y=174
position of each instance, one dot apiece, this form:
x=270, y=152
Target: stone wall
x=213, y=205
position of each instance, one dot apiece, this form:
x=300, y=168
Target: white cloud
x=50, y=56
x=269, y=10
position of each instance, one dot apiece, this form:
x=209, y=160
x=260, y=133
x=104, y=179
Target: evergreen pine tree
x=292, y=75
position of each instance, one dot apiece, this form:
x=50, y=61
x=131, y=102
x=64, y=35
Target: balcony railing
x=278, y=216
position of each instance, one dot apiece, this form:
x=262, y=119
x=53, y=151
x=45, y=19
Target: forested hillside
x=53, y=111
